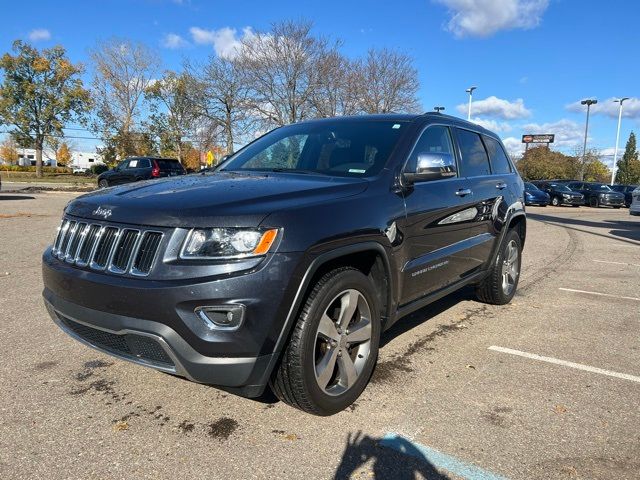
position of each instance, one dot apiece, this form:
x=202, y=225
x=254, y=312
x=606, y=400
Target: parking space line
x=437, y=459
x=617, y=263
x=564, y=363
x=600, y=294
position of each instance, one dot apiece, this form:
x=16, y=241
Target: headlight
x=566, y=195
x=216, y=243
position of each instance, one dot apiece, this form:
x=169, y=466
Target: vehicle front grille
x=107, y=247
x=130, y=345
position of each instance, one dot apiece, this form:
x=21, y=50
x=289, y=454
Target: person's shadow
x=403, y=461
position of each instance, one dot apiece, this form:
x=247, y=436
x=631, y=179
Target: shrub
x=98, y=169
x=20, y=168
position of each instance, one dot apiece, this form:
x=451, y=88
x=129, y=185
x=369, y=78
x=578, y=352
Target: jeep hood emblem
x=102, y=212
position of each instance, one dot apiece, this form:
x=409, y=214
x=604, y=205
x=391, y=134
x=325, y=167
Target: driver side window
x=435, y=139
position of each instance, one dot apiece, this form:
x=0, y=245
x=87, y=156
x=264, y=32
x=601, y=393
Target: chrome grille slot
x=86, y=249
x=107, y=247
x=76, y=238
x=66, y=236
x=104, y=248
x=123, y=251
x=146, y=253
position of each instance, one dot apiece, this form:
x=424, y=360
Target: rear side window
x=474, y=161
x=499, y=160
x=169, y=165
x=144, y=163
x=436, y=139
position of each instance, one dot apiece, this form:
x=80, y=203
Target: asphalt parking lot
x=546, y=387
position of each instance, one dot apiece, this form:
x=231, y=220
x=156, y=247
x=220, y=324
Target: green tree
x=40, y=92
x=629, y=166
x=541, y=163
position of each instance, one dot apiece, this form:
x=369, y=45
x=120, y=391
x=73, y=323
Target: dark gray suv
x=284, y=266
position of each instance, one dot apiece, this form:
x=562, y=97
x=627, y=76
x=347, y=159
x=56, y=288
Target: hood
x=537, y=193
x=229, y=199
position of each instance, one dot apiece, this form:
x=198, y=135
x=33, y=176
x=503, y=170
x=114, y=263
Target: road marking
x=618, y=263
x=437, y=459
x=600, y=294
x=564, y=363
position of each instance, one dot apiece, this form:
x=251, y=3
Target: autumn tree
x=541, y=163
x=9, y=151
x=628, y=168
x=63, y=154
x=386, y=81
x=40, y=92
x=123, y=71
x=173, y=110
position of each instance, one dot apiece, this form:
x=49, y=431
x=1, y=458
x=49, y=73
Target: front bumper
x=153, y=323
x=611, y=202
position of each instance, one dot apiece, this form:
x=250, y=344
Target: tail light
x=155, y=171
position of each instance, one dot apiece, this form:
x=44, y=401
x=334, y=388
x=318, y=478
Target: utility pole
x=588, y=103
x=470, y=92
x=615, y=152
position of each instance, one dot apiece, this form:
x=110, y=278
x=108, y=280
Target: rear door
x=435, y=227
x=170, y=167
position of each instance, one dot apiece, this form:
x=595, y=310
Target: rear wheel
x=499, y=287
x=334, y=345
x=103, y=183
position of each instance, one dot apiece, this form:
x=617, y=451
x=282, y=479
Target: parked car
x=560, y=194
x=135, y=169
x=634, y=209
x=626, y=190
x=534, y=196
x=283, y=267
x=598, y=194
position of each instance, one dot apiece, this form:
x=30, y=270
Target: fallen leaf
x=291, y=436
x=560, y=409
x=471, y=367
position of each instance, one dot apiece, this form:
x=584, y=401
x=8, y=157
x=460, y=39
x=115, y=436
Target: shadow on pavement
x=402, y=462
x=16, y=197
x=624, y=230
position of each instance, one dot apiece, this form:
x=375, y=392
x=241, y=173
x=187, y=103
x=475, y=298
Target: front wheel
x=334, y=345
x=556, y=202
x=103, y=183
x=499, y=287
x=593, y=202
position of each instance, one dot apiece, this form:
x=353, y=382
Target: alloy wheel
x=510, y=268
x=343, y=342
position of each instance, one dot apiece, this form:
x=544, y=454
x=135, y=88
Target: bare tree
x=174, y=112
x=220, y=92
x=123, y=70
x=282, y=71
x=387, y=82
x=335, y=92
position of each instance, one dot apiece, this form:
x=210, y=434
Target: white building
x=27, y=157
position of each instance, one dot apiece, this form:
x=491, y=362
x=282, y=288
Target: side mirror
x=432, y=166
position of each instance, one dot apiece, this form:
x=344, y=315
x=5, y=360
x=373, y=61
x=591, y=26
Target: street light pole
x=470, y=92
x=615, y=152
x=588, y=103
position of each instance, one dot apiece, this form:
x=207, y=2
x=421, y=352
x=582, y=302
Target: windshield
x=560, y=187
x=343, y=148
x=530, y=186
x=600, y=186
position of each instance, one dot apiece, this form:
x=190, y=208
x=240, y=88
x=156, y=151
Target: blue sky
x=531, y=59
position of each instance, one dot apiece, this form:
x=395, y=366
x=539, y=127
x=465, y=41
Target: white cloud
x=492, y=125
x=630, y=108
x=226, y=41
x=482, y=18
x=39, y=34
x=173, y=41
x=497, y=107
x=514, y=146
x=567, y=133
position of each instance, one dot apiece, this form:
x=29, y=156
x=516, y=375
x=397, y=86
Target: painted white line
x=600, y=294
x=564, y=363
x=618, y=263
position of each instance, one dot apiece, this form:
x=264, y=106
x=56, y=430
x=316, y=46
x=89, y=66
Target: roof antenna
x=438, y=109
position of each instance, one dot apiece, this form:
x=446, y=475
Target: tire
x=103, y=183
x=492, y=289
x=617, y=208
x=300, y=380
x=556, y=202
x=594, y=203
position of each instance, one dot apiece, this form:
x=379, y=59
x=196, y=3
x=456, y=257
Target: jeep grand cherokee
x=283, y=267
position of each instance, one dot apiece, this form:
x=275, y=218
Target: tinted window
x=499, y=161
x=474, y=157
x=530, y=186
x=169, y=164
x=436, y=139
x=344, y=148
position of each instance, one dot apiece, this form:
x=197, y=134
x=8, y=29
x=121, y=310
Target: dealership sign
x=548, y=138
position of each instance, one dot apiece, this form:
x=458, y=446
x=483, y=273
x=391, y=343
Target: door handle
x=464, y=191
x=501, y=185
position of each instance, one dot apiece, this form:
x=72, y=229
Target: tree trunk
x=39, y=142
x=229, y=133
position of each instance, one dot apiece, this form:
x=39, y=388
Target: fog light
x=222, y=317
